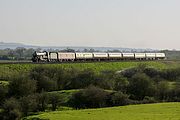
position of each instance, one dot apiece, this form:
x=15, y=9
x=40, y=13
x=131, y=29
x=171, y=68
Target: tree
x=118, y=98
x=92, y=97
x=105, y=79
x=54, y=100
x=121, y=83
x=3, y=93
x=29, y=104
x=45, y=78
x=21, y=85
x=11, y=109
x=141, y=86
x=129, y=72
x=20, y=51
x=163, y=90
x=42, y=100
x=83, y=79
x=11, y=54
x=151, y=72
x=171, y=74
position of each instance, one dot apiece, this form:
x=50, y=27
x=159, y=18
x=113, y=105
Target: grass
x=160, y=111
x=172, y=64
x=8, y=70
x=65, y=94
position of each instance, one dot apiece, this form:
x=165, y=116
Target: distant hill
x=4, y=45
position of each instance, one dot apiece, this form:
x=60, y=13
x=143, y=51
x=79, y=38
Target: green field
x=64, y=94
x=160, y=111
x=7, y=70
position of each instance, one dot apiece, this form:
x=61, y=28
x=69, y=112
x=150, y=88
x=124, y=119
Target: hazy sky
x=104, y=23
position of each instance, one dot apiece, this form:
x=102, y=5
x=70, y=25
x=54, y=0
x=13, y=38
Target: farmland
x=161, y=111
x=90, y=90
x=8, y=70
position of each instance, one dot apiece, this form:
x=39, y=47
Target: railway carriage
x=150, y=56
x=128, y=56
x=84, y=56
x=160, y=56
x=115, y=56
x=53, y=56
x=66, y=56
x=140, y=56
x=100, y=56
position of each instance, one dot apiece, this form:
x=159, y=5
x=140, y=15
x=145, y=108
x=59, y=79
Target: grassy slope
x=65, y=94
x=161, y=111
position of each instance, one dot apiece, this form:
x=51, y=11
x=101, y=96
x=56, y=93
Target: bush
x=3, y=93
x=171, y=74
x=140, y=85
x=45, y=77
x=83, y=79
x=29, y=104
x=148, y=99
x=129, y=72
x=42, y=101
x=91, y=97
x=54, y=99
x=21, y=85
x=121, y=83
x=163, y=90
x=11, y=110
x=151, y=72
x=119, y=99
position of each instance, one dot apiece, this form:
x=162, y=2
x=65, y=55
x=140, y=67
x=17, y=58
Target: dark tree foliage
x=171, y=74
x=140, y=85
x=92, y=97
x=151, y=72
x=21, y=85
x=42, y=101
x=45, y=77
x=54, y=99
x=104, y=80
x=3, y=93
x=34, y=103
x=65, y=80
x=19, y=53
x=119, y=99
x=129, y=72
x=11, y=110
x=176, y=92
x=163, y=90
x=121, y=83
x=132, y=71
x=83, y=79
x=29, y=104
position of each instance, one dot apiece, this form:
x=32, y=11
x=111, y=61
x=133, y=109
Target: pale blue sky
x=104, y=23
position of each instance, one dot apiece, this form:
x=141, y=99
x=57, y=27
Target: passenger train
x=94, y=56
